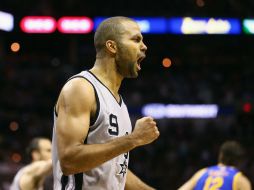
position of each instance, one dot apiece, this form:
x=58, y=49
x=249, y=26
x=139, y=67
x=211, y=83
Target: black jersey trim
x=78, y=181
x=92, y=119
x=120, y=101
x=64, y=181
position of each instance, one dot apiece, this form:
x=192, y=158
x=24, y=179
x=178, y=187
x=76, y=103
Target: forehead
x=131, y=28
x=44, y=143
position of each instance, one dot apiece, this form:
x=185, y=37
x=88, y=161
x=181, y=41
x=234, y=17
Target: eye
x=137, y=39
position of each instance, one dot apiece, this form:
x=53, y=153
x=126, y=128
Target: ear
x=111, y=46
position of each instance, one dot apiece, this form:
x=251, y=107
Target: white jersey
x=15, y=184
x=112, y=120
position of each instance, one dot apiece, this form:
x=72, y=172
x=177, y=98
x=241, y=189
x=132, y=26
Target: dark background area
x=205, y=69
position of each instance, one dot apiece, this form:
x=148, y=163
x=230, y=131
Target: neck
x=221, y=164
x=224, y=165
x=106, y=71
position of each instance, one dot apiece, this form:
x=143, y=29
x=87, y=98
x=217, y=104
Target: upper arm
x=75, y=104
x=190, y=184
x=242, y=183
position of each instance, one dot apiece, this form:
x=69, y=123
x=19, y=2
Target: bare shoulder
x=74, y=92
x=77, y=87
x=242, y=182
x=199, y=173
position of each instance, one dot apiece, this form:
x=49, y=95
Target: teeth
x=139, y=68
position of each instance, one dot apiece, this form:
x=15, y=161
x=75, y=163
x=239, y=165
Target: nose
x=143, y=47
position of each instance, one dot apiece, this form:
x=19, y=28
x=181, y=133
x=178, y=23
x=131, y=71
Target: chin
x=129, y=72
x=133, y=75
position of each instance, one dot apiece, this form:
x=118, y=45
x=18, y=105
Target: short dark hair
x=231, y=153
x=33, y=145
x=109, y=29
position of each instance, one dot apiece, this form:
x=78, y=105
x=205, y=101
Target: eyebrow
x=138, y=36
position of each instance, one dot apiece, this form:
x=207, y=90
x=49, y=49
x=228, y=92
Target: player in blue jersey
x=225, y=175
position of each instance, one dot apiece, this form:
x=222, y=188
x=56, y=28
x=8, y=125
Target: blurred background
x=200, y=52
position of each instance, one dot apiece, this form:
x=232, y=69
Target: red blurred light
x=75, y=25
x=38, y=24
x=200, y=3
x=15, y=47
x=166, y=62
x=14, y=126
x=247, y=107
x=16, y=157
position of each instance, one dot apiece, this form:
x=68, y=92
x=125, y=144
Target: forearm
x=134, y=183
x=186, y=186
x=39, y=169
x=84, y=157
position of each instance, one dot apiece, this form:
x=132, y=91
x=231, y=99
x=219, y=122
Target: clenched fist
x=145, y=131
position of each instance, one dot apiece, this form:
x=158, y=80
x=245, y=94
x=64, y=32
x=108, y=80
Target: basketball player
x=32, y=176
x=225, y=175
x=92, y=133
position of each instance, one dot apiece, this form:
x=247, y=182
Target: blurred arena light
x=75, y=25
x=189, y=25
x=166, y=62
x=16, y=157
x=159, y=111
x=247, y=107
x=14, y=126
x=148, y=25
x=200, y=3
x=248, y=26
x=38, y=24
x=6, y=21
x=152, y=25
x=15, y=47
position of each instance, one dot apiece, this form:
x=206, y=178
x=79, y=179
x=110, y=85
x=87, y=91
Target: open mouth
x=140, y=59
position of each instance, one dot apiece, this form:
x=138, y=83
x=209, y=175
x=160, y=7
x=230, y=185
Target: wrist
x=135, y=142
